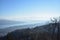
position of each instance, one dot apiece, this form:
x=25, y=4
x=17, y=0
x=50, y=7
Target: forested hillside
x=44, y=32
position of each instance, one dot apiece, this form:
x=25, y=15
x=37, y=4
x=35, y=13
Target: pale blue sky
x=29, y=9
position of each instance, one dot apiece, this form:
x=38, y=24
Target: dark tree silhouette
x=56, y=27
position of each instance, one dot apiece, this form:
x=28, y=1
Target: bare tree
x=56, y=22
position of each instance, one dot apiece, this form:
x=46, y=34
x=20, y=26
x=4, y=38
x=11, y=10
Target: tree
x=56, y=22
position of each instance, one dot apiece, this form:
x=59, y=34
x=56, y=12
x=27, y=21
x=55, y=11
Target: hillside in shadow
x=45, y=32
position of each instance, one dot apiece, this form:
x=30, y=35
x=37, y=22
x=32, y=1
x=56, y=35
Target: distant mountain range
x=6, y=23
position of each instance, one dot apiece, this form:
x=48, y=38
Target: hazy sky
x=29, y=9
